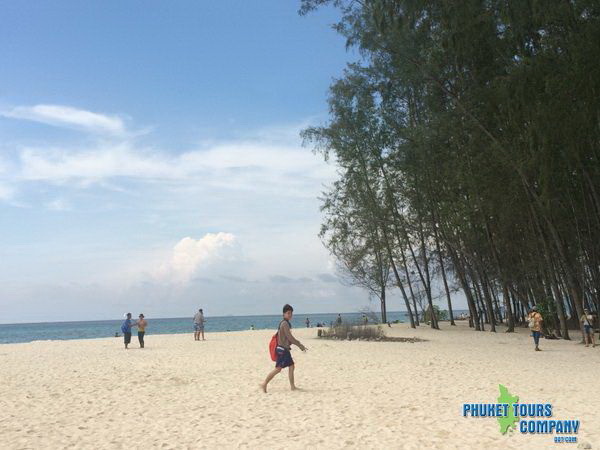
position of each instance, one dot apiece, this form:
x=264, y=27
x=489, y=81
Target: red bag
x=273, y=344
x=273, y=347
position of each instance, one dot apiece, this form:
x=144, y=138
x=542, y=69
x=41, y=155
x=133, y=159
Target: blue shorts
x=284, y=358
x=588, y=329
x=199, y=327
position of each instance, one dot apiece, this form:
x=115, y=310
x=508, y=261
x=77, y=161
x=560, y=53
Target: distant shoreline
x=74, y=330
x=298, y=314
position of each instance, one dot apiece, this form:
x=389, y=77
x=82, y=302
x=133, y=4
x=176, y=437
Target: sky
x=150, y=159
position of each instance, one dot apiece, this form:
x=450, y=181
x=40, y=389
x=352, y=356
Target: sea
x=28, y=332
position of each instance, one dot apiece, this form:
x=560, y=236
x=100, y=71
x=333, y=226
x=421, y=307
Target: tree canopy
x=468, y=142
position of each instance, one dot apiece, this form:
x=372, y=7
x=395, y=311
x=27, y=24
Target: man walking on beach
x=535, y=325
x=126, y=329
x=284, y=344
x=199, y=325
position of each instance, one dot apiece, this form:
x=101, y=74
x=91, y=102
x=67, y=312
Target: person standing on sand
x=284, y=344
x=307, y=322
x=141, y=324
x=535, y=325
x=126, y=329
x=199, y=325
x=588, y=328
x=338, y=321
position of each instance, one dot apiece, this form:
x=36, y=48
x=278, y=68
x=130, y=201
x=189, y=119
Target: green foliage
x=547, y=308
x=439, y=313
x=472, y=125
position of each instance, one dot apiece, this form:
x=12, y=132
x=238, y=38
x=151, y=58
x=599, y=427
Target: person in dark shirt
x=126, y=329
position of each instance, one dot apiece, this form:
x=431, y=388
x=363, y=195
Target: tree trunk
x=383, y=306
x=488, y=302
x=444, y=278
x=473, y=316
x=412, y=294
x=509, y=312
x=434, y=321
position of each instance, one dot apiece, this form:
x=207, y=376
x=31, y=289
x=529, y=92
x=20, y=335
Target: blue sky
x=190, y=68
x=150, y=159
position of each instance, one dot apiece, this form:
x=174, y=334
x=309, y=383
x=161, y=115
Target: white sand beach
x=177, y=393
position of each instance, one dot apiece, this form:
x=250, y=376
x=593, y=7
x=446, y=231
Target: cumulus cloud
x=190, y=256
x=67, y=116
x=261, y=186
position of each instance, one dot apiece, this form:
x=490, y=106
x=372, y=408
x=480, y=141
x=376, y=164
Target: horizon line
x=183, y=317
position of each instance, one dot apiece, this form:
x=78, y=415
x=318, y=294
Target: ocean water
x=27, y=332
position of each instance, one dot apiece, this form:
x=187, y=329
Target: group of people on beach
x=128, y=324
x=285, y=340
x=535, y=320
x=142, y=323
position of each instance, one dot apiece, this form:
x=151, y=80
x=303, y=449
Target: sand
x=177, y=393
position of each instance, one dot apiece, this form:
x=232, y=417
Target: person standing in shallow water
x=141, y=325
x=284, y=344
x=535, y=325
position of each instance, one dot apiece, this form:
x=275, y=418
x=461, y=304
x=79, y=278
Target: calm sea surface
x=27, y=332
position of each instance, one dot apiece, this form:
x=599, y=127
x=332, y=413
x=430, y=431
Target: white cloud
x=269, y=160
x=261, y=187
x=59, y=165
x=238, y=165
x=67, y=116
x=190, y=256
x=58, y=205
